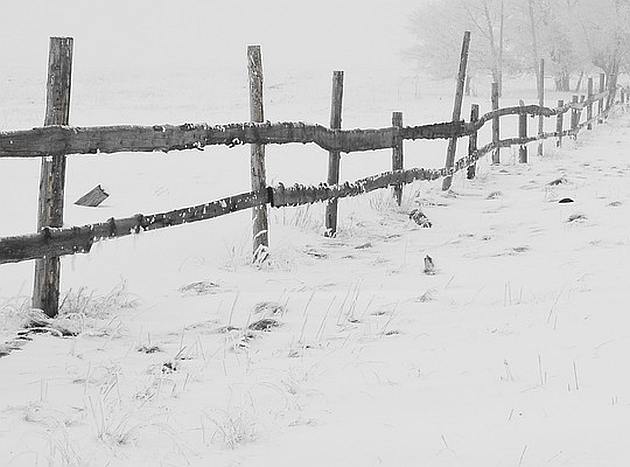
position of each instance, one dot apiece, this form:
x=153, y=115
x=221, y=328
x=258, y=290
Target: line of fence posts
x=52, y=180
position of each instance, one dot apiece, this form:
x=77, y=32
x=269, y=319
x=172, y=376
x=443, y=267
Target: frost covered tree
x=439, y=26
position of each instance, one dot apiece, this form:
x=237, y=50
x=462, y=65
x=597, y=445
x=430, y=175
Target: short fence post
x=541, y=103
x=457, y=108
x=334, y=157
x=397, y=155
x=496, y=132
x=589, y=107
x=53, y=173
x=581, y=111
x=574, y=117
x=522, y=134
x=560, y=123
x=258, y=177
x=472, y=141
x=622, y=96
x=600, y=106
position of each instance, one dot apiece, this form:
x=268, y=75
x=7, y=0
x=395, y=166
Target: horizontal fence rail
x=58, y=141
x=66, y=140
x=74, y=240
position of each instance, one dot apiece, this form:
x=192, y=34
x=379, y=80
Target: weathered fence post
x=334, y=156
x=522, y=133
x=589, y=107
x=581, y=111
x=53, y=173
x=258, y=177
x=600, y=105
x=541, y=103
x=397, y=155
x=496, y=132
x=560, y=123
x=457, y=108
x=574, y=117
x=472, y=141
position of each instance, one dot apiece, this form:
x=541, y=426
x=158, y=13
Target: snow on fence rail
x=56, y=140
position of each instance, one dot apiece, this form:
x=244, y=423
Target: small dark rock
x=419, y=218
x=265, y=324
x=429, y=266
x=565, y=201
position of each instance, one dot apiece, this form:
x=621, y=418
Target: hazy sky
x=331, y=33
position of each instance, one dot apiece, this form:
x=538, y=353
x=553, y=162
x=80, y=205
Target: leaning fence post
x=589, y=108
x=334, y=156
x=457, y=108
x=496, y=155
x=258, y=177
x=472, y=141
x=600, y=106
x=522, y=134
x=397, y=155
x=574, y=117
x=541, y=103
x=53, y=173
x=560, y=123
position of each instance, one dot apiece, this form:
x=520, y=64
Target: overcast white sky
x=330, y=33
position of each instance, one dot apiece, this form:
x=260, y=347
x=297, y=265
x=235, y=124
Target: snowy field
x=511, y=354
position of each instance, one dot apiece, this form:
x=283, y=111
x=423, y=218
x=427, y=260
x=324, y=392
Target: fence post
x=53, y=173
x=397, y=155
x=589, y=108
x=334, y=156
x=581, y=111
x=541, y=103
x=574, y=117
x=560, y=123
x=472, y=141
x=496, y=132
x=600, y=106
x=457, y=108
x=258, y=177
x=522, y=133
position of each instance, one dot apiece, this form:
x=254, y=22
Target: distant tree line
x=511, y=36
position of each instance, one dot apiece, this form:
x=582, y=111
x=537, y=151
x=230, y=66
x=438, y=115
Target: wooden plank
x=496, y=132
x=58, y=140
x=53, y=173
x=560, y=123
x=398, y=156
x=472, y=141
x=457, y=106
x=589, y=107
x=541, y=103
x=58, y=242
x=260, y=227
x=522, y=133
x=334, y=157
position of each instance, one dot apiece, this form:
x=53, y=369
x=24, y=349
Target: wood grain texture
x=457, y=107
x=398, y=156
x=472, y=141
x=47, y=277
x=260, y=225
x=496, y=132
x=334, y=157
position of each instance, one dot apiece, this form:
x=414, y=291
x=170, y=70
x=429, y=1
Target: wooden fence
x=55, y=140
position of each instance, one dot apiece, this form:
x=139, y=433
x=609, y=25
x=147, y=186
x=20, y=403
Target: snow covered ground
x=511, y=354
